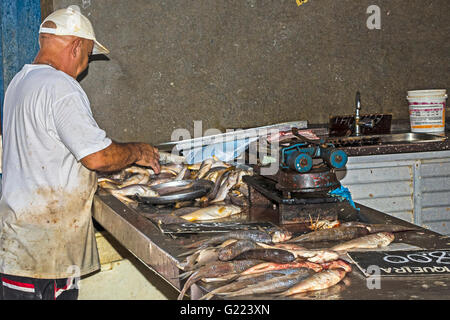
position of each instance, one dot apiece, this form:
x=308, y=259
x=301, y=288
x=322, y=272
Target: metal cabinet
x=411, y=186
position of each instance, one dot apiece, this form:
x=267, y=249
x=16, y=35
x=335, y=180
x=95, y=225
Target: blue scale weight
x=299, y=157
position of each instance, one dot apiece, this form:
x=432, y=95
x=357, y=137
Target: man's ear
x=76, y=47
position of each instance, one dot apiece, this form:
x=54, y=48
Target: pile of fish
x=227, y=197
x=272, y=263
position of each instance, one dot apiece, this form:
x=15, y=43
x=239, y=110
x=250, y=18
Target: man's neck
x=43, y=59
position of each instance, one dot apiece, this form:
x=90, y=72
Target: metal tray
x=194, y=189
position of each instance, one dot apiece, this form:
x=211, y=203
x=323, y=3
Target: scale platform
x=294, y=208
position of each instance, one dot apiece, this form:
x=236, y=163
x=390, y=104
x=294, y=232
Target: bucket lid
x=424, y=93
x=428, y=97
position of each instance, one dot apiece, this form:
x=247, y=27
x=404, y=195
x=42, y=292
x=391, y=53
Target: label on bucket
x=429, y=116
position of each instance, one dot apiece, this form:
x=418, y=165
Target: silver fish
x=166, y=157
x=136, y=189
x=181, y=174
x=318, y=281
x=139, y=170
x=273, y=285
x=205, y=167
x=135, y=179
x=376, y=240
x=212, y=212
x=229, y=183
x=107, y=185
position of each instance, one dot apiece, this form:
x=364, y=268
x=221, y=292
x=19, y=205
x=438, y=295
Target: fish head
x=339, y=272
x=234, y=209
x=388, y=236
x=281, y=236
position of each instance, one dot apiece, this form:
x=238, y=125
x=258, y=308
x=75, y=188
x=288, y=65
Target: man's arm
x=120, y=155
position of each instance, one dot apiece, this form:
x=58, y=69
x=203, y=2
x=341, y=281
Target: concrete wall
x=243, y=63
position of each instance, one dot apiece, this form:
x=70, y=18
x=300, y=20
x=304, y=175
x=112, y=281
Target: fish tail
x=195, y=245
x=282, y=294
x=194, y=250
x=187, y=285
x=207, y=296
x=184, y=275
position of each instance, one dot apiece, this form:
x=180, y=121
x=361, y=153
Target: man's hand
x=120, y=155
x=149, y=157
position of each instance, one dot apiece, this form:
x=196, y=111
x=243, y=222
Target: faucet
x=357, y=117
x=366, y=123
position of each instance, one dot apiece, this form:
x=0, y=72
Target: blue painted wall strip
x=20, y=20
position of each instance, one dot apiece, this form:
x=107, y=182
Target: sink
x=410, y=137
x=396, y=138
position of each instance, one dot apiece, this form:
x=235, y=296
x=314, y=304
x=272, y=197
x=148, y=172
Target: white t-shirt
x=45, y=210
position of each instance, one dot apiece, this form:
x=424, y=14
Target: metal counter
x=159, y=252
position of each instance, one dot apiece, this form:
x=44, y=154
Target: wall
x=19, y=25
x=244, y=63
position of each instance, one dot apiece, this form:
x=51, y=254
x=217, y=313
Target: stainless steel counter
x=159, y=252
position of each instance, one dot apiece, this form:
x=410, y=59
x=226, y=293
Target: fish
x=173, y=167
x=219, y=163
x=270, y=255
x=285, y=246
x=204, y=168
x=240, y=284
x=139, y=170
x=135, y=189
x=280, y=236
x=273, y=285
x=321, y=280
x=166, y=157
x=135, y=179
x=229, y=183
x=238, y=199
x=181, y=174
x=105, y=184
x=235, y=249
x=211, y=176
x=157, y=181
x=323, y=224
x=184, y=210
x=118, y=175
x=337, y=264
x=375, y=228
x=109, y=180
x=219, y=268
x=280, y=272
x=375, y=240
x=225, y=278
x=184, y=204
x=126, y=200
x=271, y=266
x=212, y=213
x=222, y=176
x=174, y=189
x=203, y=256
x=317, y=256
x=334, y=234
x=311, y=255
x=255, y=235
x=195, y=166
x=243, y=173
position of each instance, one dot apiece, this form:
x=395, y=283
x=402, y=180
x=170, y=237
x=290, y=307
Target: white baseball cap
x=70, y=22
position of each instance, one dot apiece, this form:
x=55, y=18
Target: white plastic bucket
x=427, y=110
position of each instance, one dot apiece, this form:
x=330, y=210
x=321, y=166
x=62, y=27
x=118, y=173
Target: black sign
x=403, y=263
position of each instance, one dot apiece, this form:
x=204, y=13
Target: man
x=52, y=146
